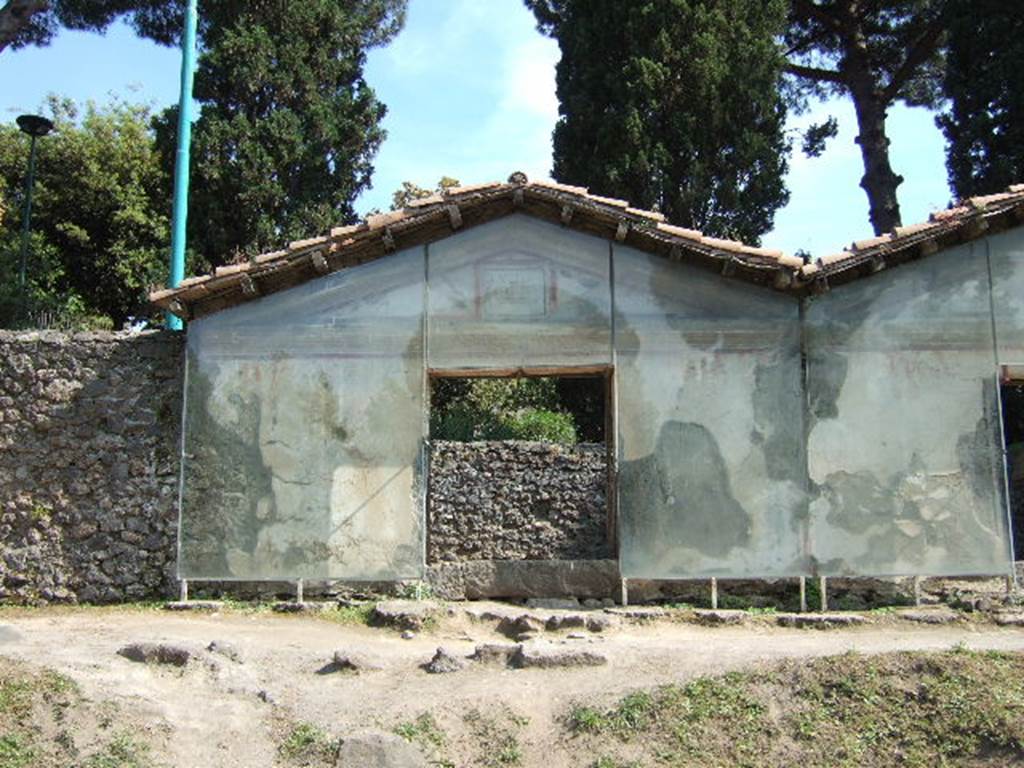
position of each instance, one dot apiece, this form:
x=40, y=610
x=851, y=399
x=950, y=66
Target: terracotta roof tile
x=722, y=244
x=913, y=229
x=419, y=202
x=263, y=258
x=347, y=230
x=298, y=245
x=612, y=201
x=381, y=220
x=672, y=229
x=231, y=269
x=833, y=258
x=654, y=215
x=582, y=191
x=871, y=242
x=422, y=219
x=466, y=189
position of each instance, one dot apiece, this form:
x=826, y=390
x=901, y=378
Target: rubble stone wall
x=517, y=501
x=89, y=440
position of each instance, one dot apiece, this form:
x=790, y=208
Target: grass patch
x=954, y=708
x=423, y=730
x=15, y=752
x=43, y=714
x=121, y=752
x=496, y=737
x=350, y=615
x=306, y=744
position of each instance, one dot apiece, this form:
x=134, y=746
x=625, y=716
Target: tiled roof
x=438, y=216
x=968, y=220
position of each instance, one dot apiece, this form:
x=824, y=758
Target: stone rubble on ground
x=156, y=653
x=545, y=657
x=819, y=620
x=553, y=603
x=378, y=750
x=444, y=662
x=930, y=616
x=227, y=650
x=351, y=661
x=719, y=616
x=1009, y=619
x=638, y=612
x=491, y=653
x=536, y=655
x=405, y=614
x=199, y=606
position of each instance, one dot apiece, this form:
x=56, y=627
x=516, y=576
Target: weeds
x=424, y=729
x=306, y=742
x=496, y=737
x=121, y=752
x=938, y=709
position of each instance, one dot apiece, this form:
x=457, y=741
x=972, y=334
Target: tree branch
x=919, y=53
x=811, y=10
x=815, y=73
x=15, y=15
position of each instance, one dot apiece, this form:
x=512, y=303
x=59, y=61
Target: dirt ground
x=217, y=712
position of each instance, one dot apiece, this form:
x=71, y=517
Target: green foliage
x=99, y=221
x=410, y=191
x=505, y=409
x=546, y=426
x=121, y=752
x=875, y=54
x=673, y=105
x=306, y=743
x=39, y=26
x=423, y=730
x=956, y=708
x=495, y=733
x=15, y=752
x=984, y=124
x=288, y=126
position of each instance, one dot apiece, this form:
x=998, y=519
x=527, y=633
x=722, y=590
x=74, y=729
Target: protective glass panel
x=519, y=292
x=1006, y=255
x=304, y=426
x=710, y=423
x=903, y=443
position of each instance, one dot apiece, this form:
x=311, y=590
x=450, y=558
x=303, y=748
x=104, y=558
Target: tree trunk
x=879, y=181
x=15, y=15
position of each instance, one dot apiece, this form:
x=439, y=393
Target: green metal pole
x=188, y=65
x=26, y=223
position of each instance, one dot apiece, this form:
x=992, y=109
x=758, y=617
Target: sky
x=470, y=91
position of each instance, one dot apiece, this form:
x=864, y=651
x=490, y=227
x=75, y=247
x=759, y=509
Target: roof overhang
x=438, y=216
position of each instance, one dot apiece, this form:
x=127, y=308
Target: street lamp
x=35, y=126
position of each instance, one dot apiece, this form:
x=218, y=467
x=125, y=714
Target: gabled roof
x=968, y=220
x=438, y=216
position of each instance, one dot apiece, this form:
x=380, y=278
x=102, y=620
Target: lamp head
x=34, y=125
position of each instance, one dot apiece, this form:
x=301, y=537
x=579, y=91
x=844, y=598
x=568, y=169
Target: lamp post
x=35, y=126
x=181, y=170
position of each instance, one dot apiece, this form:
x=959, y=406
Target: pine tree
x=288, y=127
x=35, y=22
x=984, y=81
x=674, y=105
x=876, y=53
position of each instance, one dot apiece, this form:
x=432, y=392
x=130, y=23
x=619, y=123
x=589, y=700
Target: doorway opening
x=521, y=465
x=1012, y=393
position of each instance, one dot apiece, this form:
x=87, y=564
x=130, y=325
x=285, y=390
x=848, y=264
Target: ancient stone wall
x=89, y=438
x=517, y=501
